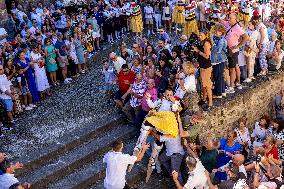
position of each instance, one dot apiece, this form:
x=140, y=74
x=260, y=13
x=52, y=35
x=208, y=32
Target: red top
x=274, y=152
x=124, y=81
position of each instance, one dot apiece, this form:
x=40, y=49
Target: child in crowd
x=110, y=77
x=24, y=88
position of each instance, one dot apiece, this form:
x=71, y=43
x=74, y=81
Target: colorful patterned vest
x=136, y=10
x=190, y=11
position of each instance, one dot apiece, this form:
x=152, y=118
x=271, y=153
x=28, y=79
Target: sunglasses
x=125, y=71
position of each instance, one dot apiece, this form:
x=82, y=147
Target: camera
x=192, y=41
x=256, y=158
x=57, y=16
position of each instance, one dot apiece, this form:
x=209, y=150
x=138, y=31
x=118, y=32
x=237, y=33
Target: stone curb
x=65, y=144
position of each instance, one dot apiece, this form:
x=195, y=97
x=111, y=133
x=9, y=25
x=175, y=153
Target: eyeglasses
x=125, y=71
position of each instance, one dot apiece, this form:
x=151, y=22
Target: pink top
x=154, y=96
x=233, y=34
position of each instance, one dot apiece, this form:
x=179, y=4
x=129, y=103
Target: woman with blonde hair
x=185, y=80
x=204, y=52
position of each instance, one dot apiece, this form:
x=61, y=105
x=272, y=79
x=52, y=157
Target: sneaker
x=7, y=128
x=239, y=86
x=217, y=97
x=66, y=81
x=224, y=94
x=83, y=71
x=32, y=105
x=230, y=90
x=28, y=108
x=248, y=80
x=69, y=79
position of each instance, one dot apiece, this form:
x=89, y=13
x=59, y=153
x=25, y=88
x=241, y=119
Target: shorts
x=109, y=87
x=7, y=104
x=205, y=75
x=118, y=96
x=233, y=60
x=149, y=21
x=96, y=34
x=63, y=61
x=25, y=90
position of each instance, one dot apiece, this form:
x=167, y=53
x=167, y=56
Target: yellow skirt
x=178, y=16
x=137, y=24
x=190, y=27
x=246, y=18
x=164, y=122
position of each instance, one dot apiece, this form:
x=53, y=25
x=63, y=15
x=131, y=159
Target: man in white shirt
x=6, y=95
x=197, y=178
x=117, y=61
x=8, y=179
x=117, y=164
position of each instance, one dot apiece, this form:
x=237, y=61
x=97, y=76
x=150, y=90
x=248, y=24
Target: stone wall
x=253, y=102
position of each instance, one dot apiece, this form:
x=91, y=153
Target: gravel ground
x=72, y=106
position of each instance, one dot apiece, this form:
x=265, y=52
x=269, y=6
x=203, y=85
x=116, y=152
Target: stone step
x=77, y=157
x=40, y=157
x=93, y=174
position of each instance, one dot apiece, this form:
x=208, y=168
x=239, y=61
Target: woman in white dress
x=40, y=74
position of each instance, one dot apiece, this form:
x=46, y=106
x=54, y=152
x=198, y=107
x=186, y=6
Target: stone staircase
x=76, y=160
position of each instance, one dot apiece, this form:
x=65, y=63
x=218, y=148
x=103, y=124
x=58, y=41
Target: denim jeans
x=218, y=76
x=172, y=163
x=244, y=72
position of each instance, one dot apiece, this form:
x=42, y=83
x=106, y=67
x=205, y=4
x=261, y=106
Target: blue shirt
x=99, y=17
x=60, y=46
x=223, y=159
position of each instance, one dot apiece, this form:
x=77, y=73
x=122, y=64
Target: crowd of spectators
x=224, y=46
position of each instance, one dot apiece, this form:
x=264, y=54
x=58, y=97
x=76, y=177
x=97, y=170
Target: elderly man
x=234, y=34
x=197, y=177
x=117, y=61
x=237, y=160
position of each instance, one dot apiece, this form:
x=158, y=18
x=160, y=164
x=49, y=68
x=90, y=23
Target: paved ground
x=74, y=105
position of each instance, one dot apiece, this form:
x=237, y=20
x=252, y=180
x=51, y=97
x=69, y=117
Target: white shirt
x=189, y=85
x=117, y=164
x=241, y=168
x=7, y=180
x=265, y=39
x=173, y=145
x=197, y=178
x=260, y=134
x=118, y=63
x=165, y=105
x=5, y=85
x=243, y=137
x=149, y=11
